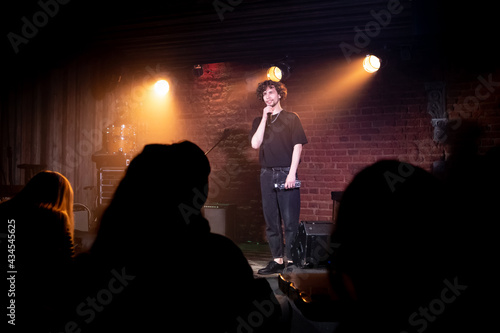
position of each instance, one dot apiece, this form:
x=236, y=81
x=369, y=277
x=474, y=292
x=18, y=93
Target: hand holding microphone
x=268, y=111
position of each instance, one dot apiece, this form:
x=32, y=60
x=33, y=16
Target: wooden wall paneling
x=19, y=132
x=56, y=157
x=13, y=110
x=70, y=122
x=37, y=126
x=45, y=106
x=85, y=141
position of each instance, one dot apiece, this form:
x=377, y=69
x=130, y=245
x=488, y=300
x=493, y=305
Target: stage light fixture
x=279, y=71
x=274, y=74
x=371, y=63
x=161, y=87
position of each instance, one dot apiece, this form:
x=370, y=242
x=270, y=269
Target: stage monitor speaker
x=311, y=248
x=221, y=219
x=82, y=217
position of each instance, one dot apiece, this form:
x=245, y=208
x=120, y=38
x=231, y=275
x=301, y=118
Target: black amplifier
x=312, y=248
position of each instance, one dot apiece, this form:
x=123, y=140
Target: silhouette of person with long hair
x=155, y=258
x=41, y=246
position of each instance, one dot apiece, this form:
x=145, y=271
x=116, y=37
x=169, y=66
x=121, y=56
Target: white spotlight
x=371, y=63
x=274, y=73
x=161, y=87
x=279, y=71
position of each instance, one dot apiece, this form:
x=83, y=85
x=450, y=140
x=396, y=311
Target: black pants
x=279, y=205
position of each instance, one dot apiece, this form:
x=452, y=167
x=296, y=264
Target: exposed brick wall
x=386, y=118
x=382, y=120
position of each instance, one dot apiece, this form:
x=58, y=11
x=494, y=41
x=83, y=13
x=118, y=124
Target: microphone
x=269, y=116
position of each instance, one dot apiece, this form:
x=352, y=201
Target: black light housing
x=279, y=71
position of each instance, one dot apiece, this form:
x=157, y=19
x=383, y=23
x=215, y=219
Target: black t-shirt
x=279, y=139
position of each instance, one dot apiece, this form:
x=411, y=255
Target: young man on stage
x=279, y=136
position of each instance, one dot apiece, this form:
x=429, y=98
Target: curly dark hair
x=280, y=88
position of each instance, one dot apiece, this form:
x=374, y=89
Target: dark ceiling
x=182, y=33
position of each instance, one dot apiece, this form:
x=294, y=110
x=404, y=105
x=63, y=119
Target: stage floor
x=258, y=255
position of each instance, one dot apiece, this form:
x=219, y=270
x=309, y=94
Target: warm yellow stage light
x=161, y=87
x=371, y=64
x=274, y=73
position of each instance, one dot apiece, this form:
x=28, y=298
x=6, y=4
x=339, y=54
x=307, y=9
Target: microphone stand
x=225, y=134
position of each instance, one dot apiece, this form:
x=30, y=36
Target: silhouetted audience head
x=44, y=225
x=462, y=137
x=167, y=174
x=178, y=275
x=48, y=190
x=163, y=190
x=395, y=247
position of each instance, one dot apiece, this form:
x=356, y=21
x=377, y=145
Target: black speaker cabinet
x=311, y=248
